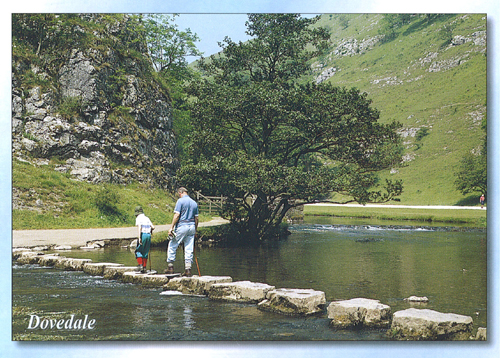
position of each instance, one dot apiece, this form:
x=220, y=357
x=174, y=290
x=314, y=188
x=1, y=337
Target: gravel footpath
x=80, y=237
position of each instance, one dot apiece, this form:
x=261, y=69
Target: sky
x=210, y=31
x=227, y=18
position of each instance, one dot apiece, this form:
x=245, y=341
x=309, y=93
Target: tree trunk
x=263, y=220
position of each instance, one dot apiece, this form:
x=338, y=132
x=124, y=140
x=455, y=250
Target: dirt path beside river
x=80, y=237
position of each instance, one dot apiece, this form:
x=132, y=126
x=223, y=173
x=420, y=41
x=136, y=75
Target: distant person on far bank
x=481, y=200
x=145, y=227
x=184, y=225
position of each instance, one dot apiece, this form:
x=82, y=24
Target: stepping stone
x=29, y=257
x=97, y=269
x=481, y=334
x=71, y=264
x=50, y=260
x=195, y=285
x=359, y=312
x=416, y=299
x=116, y=272
x=241, y=291
x=153, y=280
x=425, y=324
x=293, y=301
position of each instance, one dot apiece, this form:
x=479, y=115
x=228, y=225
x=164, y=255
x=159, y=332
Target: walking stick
x=150, y=259
x=195, y=258
x=151, y=241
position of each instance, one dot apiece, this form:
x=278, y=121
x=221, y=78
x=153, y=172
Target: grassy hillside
x=46, y=199
x=435, y=89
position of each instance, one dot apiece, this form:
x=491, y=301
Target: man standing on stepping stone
x=184, y=225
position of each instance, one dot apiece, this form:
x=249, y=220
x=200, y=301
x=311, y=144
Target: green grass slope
x=431, y=78
x=46, y=199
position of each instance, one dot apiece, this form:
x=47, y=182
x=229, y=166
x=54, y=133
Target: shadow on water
x=344, y=261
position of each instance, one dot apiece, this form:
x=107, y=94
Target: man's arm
x=174, y=222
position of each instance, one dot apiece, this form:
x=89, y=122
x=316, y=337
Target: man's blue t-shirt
x=188, y=209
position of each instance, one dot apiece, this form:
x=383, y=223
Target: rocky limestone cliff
x=102, y=117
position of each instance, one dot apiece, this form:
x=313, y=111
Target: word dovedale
x=60, y=324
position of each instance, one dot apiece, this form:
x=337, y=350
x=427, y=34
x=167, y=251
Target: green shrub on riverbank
x=453, y=216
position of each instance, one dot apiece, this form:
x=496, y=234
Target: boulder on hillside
x=359, y=312
x=424, y=324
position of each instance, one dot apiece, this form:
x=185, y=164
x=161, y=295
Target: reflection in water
x=388, y=264
x=188, y=317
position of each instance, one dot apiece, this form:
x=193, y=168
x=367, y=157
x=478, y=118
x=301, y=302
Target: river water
x=344, y=261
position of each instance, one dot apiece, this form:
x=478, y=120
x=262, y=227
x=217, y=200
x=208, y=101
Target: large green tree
x=167, y=45
x=268, y=143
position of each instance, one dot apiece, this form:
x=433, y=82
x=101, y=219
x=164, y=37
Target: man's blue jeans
x=184, y=233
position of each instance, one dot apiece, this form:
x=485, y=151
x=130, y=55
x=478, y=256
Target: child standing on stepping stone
x=145, y=227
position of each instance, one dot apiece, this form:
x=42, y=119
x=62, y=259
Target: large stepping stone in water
x=71, y=264
x=116, y=272
x=293, y=301
x=359, y=312
x=195, y=285
x=425, y=324
x=97, y=268
x=29, y=257
x=241, y=291
x=49, y=259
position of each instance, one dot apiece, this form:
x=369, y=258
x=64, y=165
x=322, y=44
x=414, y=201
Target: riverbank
x=80, y=237
x=473, y=216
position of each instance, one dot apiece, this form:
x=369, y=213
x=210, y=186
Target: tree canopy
x=268, y=143
x=167, y=45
